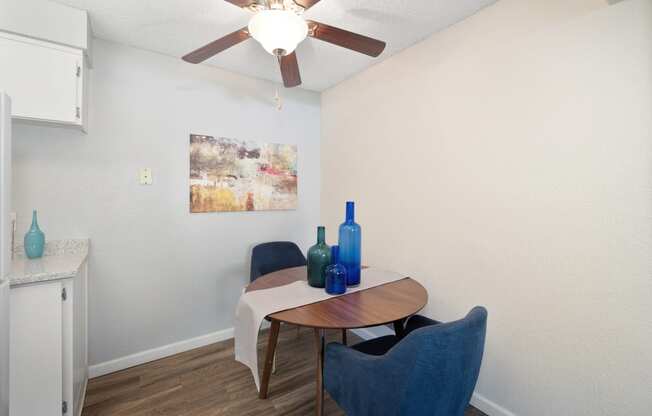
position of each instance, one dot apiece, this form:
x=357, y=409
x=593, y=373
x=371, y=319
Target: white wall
x=507, y=162
x=157, y=273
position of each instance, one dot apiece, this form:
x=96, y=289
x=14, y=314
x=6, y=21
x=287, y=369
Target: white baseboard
x=477, y=400
x=158, y=353
x=487, y=406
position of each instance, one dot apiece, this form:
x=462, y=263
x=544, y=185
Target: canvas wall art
x=235, y=175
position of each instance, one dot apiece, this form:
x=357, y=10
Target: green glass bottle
x=319, y=257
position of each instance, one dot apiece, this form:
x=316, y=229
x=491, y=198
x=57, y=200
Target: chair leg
x=344, y=336
x=399, y=328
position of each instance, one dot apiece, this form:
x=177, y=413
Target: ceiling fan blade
x=346, y=39
x=290, y=70
x=242, y=3
x=306, y=4
x=217, y=46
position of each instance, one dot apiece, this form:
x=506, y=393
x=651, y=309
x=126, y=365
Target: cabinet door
x=41, y=78
x=35, y=350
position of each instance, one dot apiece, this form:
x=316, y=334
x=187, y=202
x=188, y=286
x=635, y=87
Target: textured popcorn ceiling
x=176, y=27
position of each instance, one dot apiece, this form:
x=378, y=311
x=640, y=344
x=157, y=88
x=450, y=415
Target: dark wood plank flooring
x=208, y=381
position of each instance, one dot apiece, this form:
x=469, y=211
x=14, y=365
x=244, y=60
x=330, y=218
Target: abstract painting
x=235, y=175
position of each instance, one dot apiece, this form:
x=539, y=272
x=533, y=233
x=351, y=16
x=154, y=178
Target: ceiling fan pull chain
x=278, y=101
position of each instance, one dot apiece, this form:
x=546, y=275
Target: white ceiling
x=176, y=27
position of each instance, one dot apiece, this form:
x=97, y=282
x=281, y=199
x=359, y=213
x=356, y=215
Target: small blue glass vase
x=350, y=238
x=34, y=240
x=335, y=274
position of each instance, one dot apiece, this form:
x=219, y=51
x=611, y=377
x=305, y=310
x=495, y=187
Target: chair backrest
x=273, y=256
x=445, y=360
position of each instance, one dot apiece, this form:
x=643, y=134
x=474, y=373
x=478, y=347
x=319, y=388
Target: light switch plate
x=145, y=176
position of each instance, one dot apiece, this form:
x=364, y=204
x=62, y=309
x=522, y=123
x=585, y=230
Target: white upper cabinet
x=47, y=20
x=45, y=80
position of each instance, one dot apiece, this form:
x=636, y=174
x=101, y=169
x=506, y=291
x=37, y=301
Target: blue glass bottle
x=335, y=274
x=350, y=241
x=34, y=240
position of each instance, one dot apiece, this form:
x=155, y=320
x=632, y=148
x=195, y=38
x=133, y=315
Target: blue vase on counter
x=34, y=240
x=350, y=240
x=335, y=274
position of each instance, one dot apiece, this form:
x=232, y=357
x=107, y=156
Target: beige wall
x=507, y=162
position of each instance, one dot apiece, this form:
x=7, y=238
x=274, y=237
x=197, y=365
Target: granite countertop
x=61, y=259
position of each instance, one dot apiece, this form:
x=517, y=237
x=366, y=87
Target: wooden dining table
x=389, y=303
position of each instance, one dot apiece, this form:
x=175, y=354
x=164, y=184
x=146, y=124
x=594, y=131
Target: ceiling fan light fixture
x=278, y=31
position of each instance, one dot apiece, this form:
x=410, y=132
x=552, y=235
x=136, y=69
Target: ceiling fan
x=279, y=26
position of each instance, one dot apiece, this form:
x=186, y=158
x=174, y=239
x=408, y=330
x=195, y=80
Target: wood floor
x=208, y=382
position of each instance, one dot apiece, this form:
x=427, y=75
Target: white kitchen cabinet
x=49, y=361
x=4, y=347
x=45, y=80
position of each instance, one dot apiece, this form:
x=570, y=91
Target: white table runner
x=254, y=306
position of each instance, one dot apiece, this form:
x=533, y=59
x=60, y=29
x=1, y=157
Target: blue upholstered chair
x=431, y=371
x=274, y=256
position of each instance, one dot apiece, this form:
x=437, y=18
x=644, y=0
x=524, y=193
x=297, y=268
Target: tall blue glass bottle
x=350, y=241
x=335, y=274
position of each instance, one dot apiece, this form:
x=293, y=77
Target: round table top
x=378, y=305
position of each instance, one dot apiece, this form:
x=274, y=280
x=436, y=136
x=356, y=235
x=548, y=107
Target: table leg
x=344, y=336
x=399, y=329
x=319, y=344
x=269, y=358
